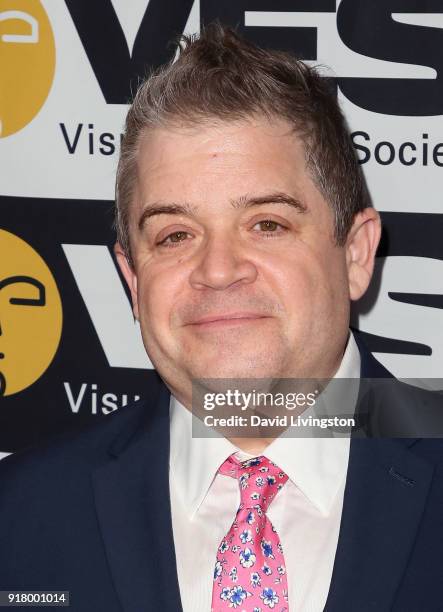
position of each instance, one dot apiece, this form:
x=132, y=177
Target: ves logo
x=30, y=315
x=390, y=31
x=27, y=62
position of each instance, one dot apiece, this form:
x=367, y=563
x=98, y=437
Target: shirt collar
x=317, y=466
x=193, y=461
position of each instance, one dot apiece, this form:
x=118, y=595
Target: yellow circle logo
x=30, y=315
x=27, y=62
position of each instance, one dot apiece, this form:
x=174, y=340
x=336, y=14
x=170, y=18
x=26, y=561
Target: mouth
x=234, y=319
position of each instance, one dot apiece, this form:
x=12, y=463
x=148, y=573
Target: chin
x=259, y=367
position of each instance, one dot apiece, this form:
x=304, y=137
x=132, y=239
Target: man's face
x=236, y=271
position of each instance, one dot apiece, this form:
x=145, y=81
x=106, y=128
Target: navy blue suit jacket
x=90, y=513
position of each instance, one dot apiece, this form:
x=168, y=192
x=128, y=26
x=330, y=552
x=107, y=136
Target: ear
x=129, y=274
x=361, y=246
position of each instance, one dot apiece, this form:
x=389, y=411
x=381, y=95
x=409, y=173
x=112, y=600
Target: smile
x=228, y=320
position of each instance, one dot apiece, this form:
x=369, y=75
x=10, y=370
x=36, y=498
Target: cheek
x=158, y=292
x=309, y=283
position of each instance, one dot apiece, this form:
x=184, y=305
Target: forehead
x=218, y=133
x=217, y=143
x=214, y=162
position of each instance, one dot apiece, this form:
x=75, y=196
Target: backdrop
x=70, y=352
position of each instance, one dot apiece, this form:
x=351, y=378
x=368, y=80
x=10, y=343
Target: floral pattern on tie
x=249, y=572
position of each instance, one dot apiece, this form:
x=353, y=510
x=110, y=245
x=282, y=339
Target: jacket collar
x=370, y=367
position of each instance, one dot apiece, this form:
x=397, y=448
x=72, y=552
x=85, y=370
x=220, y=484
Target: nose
x=222, y=264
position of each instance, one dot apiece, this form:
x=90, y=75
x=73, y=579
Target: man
x=244, y=232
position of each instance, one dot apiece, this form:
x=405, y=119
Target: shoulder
x=48, y=514
x=72, y=454
x=390, y=408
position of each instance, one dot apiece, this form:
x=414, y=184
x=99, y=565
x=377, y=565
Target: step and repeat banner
x=70, y=351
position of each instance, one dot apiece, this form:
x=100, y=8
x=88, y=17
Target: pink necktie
x=250, y=571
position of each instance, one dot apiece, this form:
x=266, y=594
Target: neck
x=256, y=445
x=253, y=446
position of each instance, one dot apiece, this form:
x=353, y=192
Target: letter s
x=369, y=29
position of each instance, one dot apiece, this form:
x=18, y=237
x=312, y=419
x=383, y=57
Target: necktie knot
x=259, y=480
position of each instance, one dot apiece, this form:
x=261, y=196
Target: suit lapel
x=385, y=496
x=131, y=493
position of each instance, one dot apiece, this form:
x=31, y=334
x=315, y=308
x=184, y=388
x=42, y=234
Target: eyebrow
x=243, y=202
x=272, y=198
x=151, y=210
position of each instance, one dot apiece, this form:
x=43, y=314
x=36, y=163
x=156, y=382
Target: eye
x=269, y=226
x=173, y=239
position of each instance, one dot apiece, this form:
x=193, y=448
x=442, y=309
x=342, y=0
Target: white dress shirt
x=306, y=512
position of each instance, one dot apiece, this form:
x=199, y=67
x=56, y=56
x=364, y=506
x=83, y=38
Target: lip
x=233, y=318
